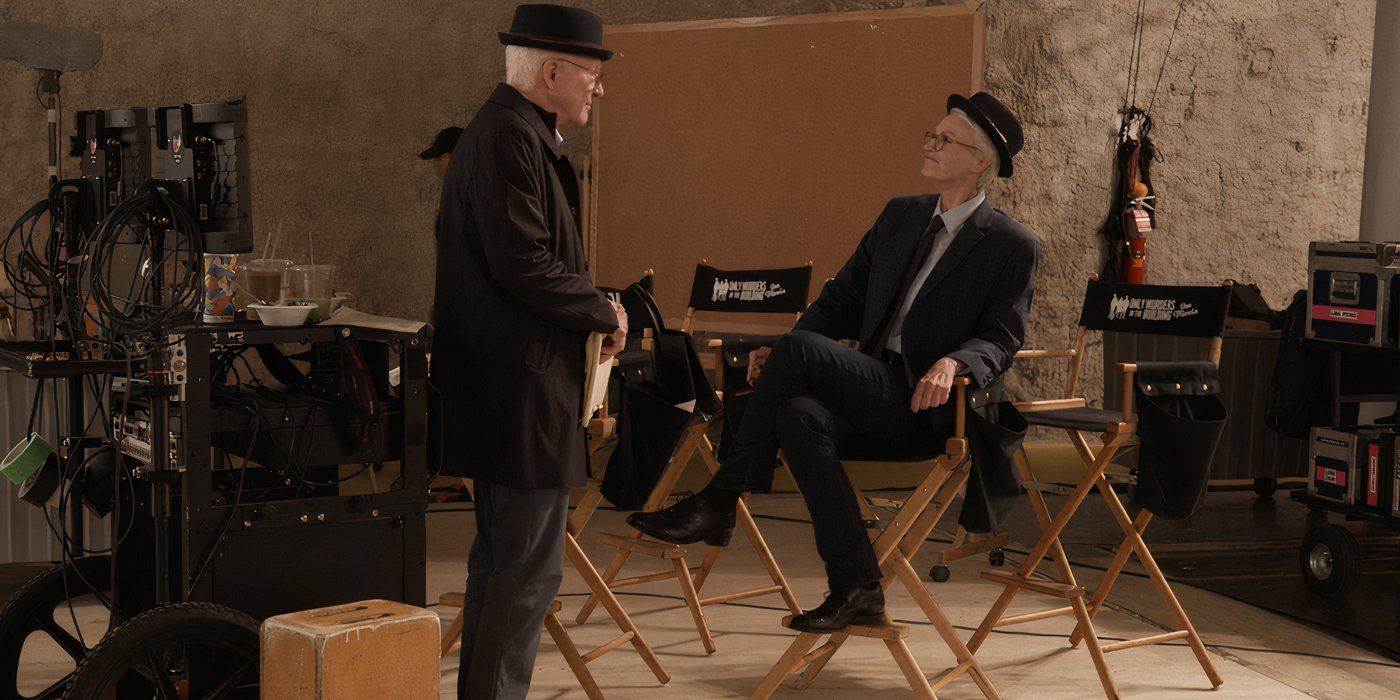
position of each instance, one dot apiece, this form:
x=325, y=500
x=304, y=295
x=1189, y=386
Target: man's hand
x=931, y=391
x=757, y=358
x=613, y=344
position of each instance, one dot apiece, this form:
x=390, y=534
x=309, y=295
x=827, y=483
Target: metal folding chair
x=895, y=545
x=780, y=291
x=1198, y=312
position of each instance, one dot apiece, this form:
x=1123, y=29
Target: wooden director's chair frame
x=577, y=662
x=602, y=427
x=895, y=546
x=692, y=579
x=1119, y=432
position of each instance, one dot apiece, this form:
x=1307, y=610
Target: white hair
x=523, y=65
x=983, y=142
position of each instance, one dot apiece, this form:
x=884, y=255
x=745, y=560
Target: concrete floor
x=1257, y=653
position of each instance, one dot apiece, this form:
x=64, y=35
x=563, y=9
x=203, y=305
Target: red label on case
x=1332, y=476
x=1373, y=469
x=1363, y=317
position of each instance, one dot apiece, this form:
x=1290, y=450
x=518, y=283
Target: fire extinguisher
x=1135, y=262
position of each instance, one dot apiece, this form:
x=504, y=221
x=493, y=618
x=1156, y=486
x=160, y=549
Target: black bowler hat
x=445, y=141
x=566, y=29
x=1000, y=124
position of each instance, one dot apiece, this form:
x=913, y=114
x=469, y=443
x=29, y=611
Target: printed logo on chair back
x=781, y=290
x=1156, y=309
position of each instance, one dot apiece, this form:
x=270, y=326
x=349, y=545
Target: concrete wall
x=1260, y=116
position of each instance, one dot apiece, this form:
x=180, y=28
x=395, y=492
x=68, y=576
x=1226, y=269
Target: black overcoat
x=513, y=303
x=973, y=307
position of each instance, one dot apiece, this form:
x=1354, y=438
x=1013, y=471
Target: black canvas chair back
x=1187, y=311
x=780, y=290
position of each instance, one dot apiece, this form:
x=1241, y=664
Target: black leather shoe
x=690, y=520
x=857, y=605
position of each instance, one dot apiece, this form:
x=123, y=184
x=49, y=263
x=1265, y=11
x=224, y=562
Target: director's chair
x=895, y=545
x=583, y=511
x=1184, y=312
x=778, y=291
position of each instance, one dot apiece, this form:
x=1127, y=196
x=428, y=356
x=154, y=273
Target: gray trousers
x=513, y=574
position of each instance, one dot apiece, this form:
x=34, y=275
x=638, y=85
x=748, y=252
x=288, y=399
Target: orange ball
x=1139, y=190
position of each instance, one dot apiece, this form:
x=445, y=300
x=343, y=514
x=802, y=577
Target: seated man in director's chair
x=939, y=287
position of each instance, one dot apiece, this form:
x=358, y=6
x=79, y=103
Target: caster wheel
x=1265, y=487
x=186, y=650
x=1331, y=560
x=939, y=573
x=996, y=557
x=38, y=613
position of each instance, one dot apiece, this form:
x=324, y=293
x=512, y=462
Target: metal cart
x=204, y=549
x=1330, y=556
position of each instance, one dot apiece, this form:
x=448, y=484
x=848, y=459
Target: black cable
x=27, y=270
x=1135, y=55
x=1166, y=55
x=135, y=316
x=228, y=518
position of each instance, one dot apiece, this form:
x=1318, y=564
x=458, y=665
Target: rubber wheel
x=1265, y=487
x=1331, y=560
x=939, y=573
x=194, y=651
x=37, y=608
x=996, y=557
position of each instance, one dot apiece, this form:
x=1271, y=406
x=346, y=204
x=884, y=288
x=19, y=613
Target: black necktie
x=921, y=251
x=916, y=262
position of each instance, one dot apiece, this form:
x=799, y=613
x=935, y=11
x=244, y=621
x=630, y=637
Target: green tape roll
x=26, y=458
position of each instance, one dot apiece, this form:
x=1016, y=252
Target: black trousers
x=513, y=572
x=818, y=400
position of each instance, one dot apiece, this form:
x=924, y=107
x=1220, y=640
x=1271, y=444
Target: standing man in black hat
x=513, y=307
x=440, y=152
x=939, y=287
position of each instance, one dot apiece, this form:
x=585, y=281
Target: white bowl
x=294, y=314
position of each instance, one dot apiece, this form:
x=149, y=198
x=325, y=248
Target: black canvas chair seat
x=1095, y=419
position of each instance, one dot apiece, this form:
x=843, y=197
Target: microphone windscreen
x=42, y=47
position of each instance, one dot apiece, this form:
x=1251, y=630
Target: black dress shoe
x=857, y=605
x=690, y=520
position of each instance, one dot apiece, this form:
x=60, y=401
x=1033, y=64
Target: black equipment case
x=1353, y=292
x=1356, y=466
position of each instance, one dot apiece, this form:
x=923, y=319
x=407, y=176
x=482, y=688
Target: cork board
x=765, y=142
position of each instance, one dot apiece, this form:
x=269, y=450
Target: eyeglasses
x=940, y=140
x=596, y=76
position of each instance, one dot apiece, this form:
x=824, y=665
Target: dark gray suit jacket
x=973, y=307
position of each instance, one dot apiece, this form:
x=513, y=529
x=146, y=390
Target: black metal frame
x=198, y=508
